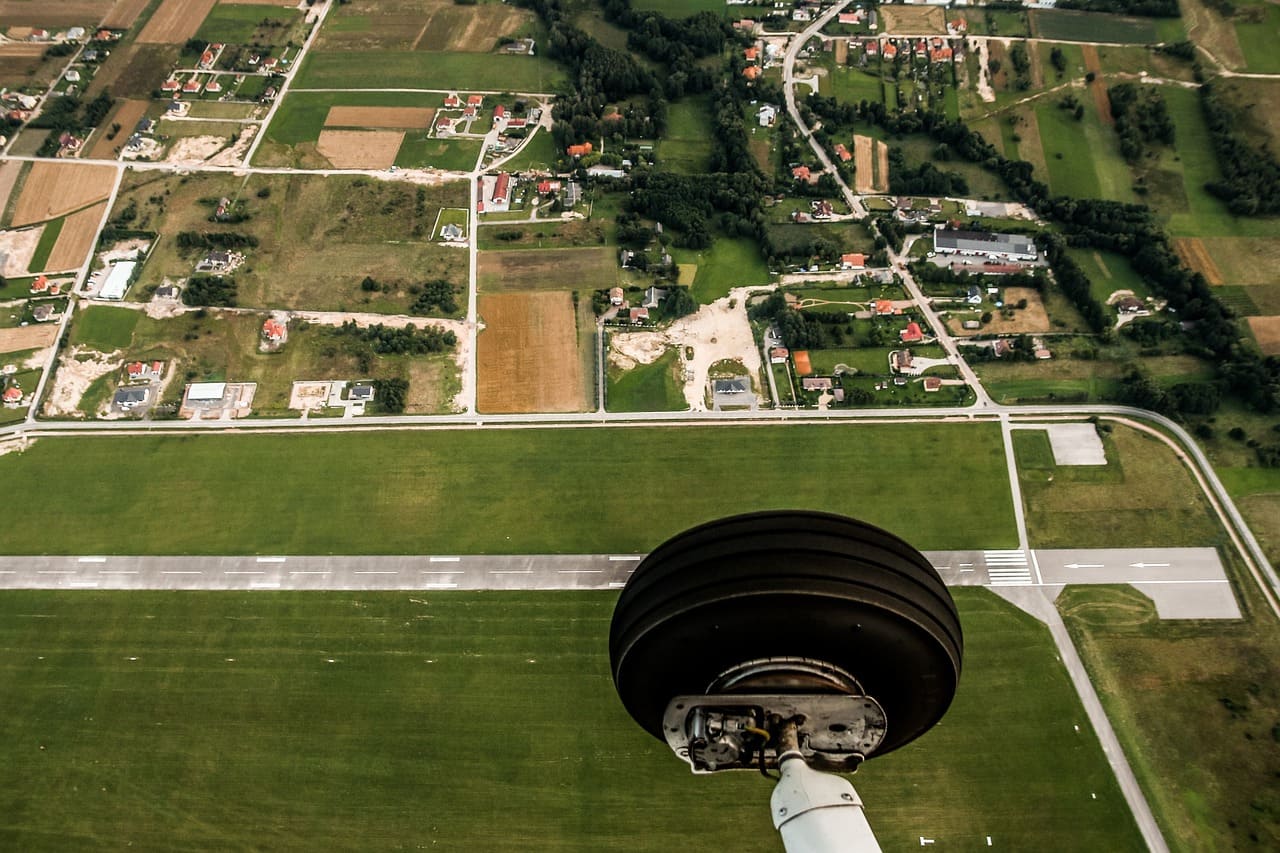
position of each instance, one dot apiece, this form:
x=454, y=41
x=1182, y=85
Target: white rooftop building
x=206, y=392
x=117, y=280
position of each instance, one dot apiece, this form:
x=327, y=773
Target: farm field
x=175, y=21
x=56, y=189
x=123, y=13
x=551, y=499
x=1063, y=138
x=538, y=153
x=1257, y=39
x=76, y=238
x=436, y=25
x=360, y=149
x=1067, y=25
x=1065, y=379
x=1109, y=272
x=65, y=13
x=363, y=69
x=240, y=23
x=524, y=271
x=317, y=237
x=528, y=356
x=24, y=64
x=545, y=234
x=127, y=114
x=680, y=8
x=252, y=715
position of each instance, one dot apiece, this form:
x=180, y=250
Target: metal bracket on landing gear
x=738, y=731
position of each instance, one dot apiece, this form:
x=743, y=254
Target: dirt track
x=527, y=356
x=1098, y=88
x=360, y=149
x=55, y=189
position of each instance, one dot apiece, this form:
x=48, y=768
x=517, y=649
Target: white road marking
x=300, y=572
x=617, y=583
x=87, y=584
x=623, y=559
x=7, y=572
x=243, y=573
x=272, y=559
x=182, y=573
x=56, y=571
x=1084, y=566
x=441, y=586
x=429, y=572
x=376, y=573
x=965, y=565
x=1148, y=565
x=92, y=560
x=445, y=560
x=581, y=571
x=511, y=571
x=962, y=571
x=1035, y=564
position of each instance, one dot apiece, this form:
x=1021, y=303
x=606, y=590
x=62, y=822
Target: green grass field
x=1143, y=497
x=103, y=328
x=235, y=24
x=301, y=116
x=1066, y=25
x=551, y=501
x=1063, y=139
x=1258, y=39
x=298, y=721
x=647, y=387
x=1109, y=272
x=680, y=8
x=44, y=246
x=851, y=85
x=686, y=148
x=727, y=264
x=539, y=153
x=420, y=151
x=373, y=69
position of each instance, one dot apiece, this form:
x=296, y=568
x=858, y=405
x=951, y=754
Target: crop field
x=134, y=70
x=65, y=13
x=360, y=149
x=226, y=707
x=1065, y=25
x=76, y=238
x=1242, y=260
x=914, y=20
x=523, y=271
x=22, y=338
x=24, y=64
x=56, y=189
x=127, y=114
x=240, y=23
x=551, y=499
x=104, y=328
x=852, y=85
x=379, y=117
x=528, y=357
x=123, y=13
x=543, y=234
x=1063, y=138
x=1192, y=252
x=318, y=237
x=175, y=21
x=303, y=115
x=365, y=69
x=1266, y=331
x=1065, y=379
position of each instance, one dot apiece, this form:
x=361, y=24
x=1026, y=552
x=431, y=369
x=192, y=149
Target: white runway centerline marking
x=359, y=572
x=56, y=571
x=229, y=572
x=445, y=560
x=117, y=571
x=581, y=571
x=272, y=559
x=86, y=584
x=623, y=559
x=263, y=585
x=182, y=573
x=309, y=572
x=92, y=560
x=455, y=572
x=511, y=571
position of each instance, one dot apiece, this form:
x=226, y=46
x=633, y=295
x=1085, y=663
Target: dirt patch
x=360, y=149
x=234, y=154
x=175, y=21
x=28, y=337
x=528, y=358
x=1266, y=330
x=126, y=114
x=77, y=370
x=1098, y=88
x=1037, y=70
x=55, y=189
x=863, y=171
x=124, y=13
x=213, y=150
x=717, y=332
x=18, y=247
x=64, y=13
x=76, y=238
x=1027, y=320
x=380, y=117
x=1194, y=254
x=527, y=270
x=912, y=20
x=841, y=46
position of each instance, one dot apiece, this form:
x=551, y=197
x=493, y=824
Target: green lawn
x=424, y=491
x=647, y=387
x=539, y=153
x=304, y=721
x=1108, y=272
x=852, y=85
x=44, y=246
x=372, y=69
x=103, y=328
x=1258, y=39
x=455, y=155
x=1064, y=139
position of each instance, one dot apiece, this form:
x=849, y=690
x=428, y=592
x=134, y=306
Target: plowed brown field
x=56, y=189
x=360, y=149
x=527, y=355
x=1193, y=253
x=384, y=117
x=175, y=21
x=1267, y=332
x=126, y=114
x=76, y=238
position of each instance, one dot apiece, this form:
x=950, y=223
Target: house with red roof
x=499, y=112
x=912, y=333
x=883, y=307
x=170, y=85
x=40, y=285
x=843, y=153
x=515, y=123
x=890, y=50
x=206, y=59
x=801, y=173
x=453, y=101
x=213, y=86
x=475, y=100
x=444, y=126
x=274, y=331
x=579, y=150
x=940, y=54
x=191, y=86
x=12, y=397
x=853, y=261
x=751, y=72
x=548, y=187
x=871, y=46
x=502, y=188
x=751, y=53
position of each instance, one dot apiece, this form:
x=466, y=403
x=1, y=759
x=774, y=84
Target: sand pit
x=55, y=189
x=360, y=149
x=1194, y=254
x=18, y=247
x=73, y=378
x=717, y=332
x=76, y=239
x=175, y=21
x=380, y=117
x=28, y=337
x=528, y=357
x=1266, y=330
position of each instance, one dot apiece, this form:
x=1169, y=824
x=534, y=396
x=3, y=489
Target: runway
x=1184, y=582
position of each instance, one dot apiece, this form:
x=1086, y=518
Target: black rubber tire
x=788, y=583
